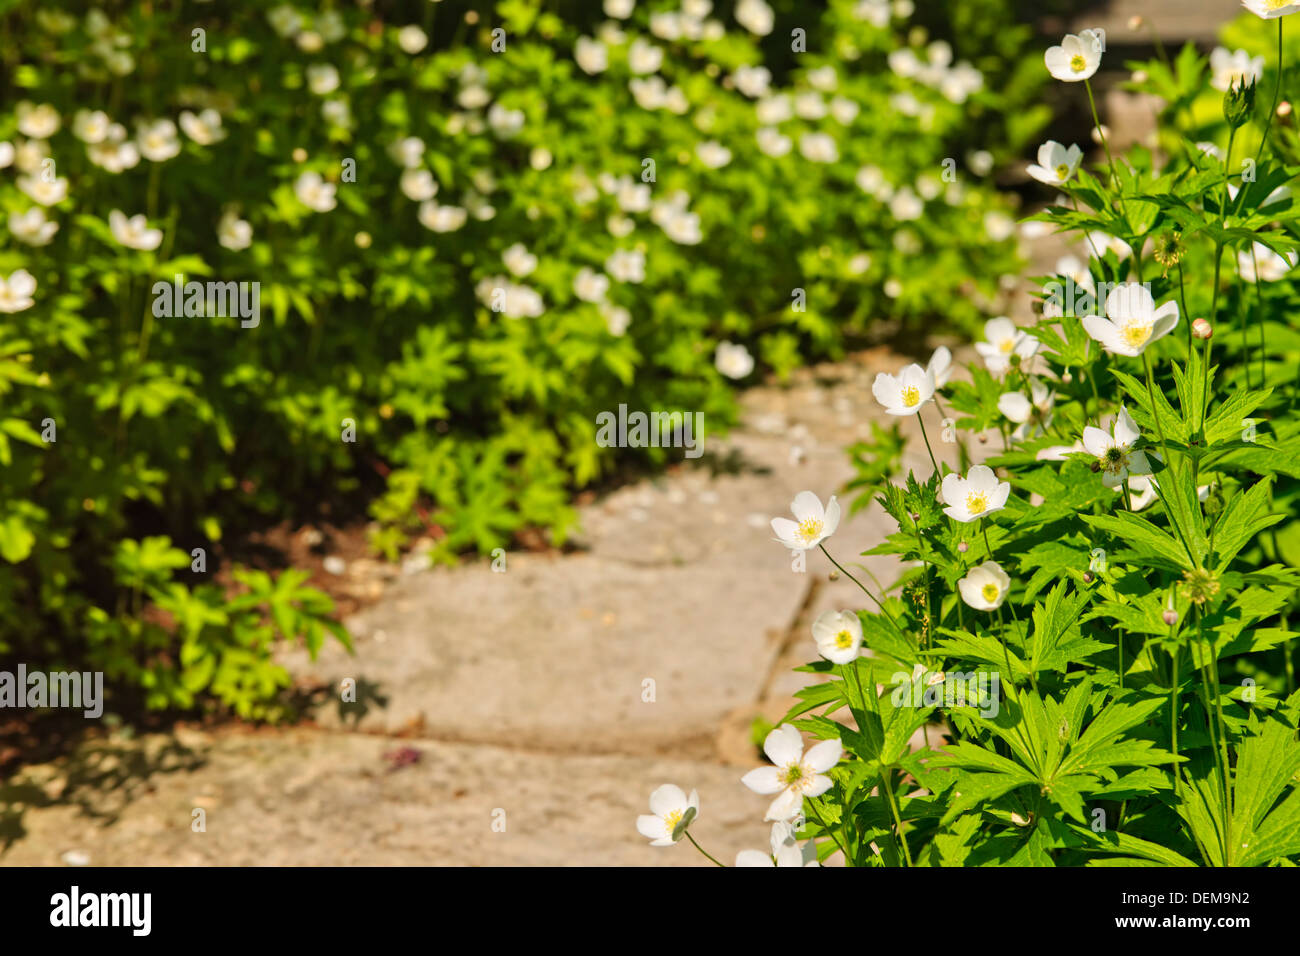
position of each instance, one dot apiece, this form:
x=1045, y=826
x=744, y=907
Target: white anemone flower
x=408, y=151
x=940, y=366
x=1233, y=68
x=1032, y=414
x=590, y=286
x=1262, y=260
x=1114, y=450
x=812, y=523
x=90, y=127
x=412, y=39
x=38, y=122
x=158, y=141
x=670, y=808
x=322, y=78
x=626, y=265
x=1056, y=165
x=985, y=586
x=204, y=127
x=442, y=218
x=905, y=393
x=6, y=155
x=418, y=185
x=752, y=81
x=713, y=154
x=592, y=56
x=1270, y=9
x=32, y=227
x=818, y=148
x=314, y=192
x=135, y=232
x=1078, y=57
x=785, y=850
x=519, y=260
x=978, y=494
x=755, y=16
x=1132, y=320
x=1003, y=340
x=733, y=360
x=16, y=291
x=773, y=142
x=838, y=635
x=617, y=318
x=795, y=774
x=644, y=57
x=234, y=233
x=47, y=192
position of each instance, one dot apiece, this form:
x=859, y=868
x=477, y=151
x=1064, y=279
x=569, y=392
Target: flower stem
x=874, y=599
x=1114, y=173
x=702, y=850
x=887, y=787
x=926, y=437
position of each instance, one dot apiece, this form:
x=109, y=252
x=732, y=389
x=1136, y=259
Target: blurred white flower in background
x=644, y=57
x=38, y=122
x=733, y=360
x=314, y=192
x=32, y=227
x=322, y=78
x=418, y=185
x=590, y=286
x=412, y=39
x=626, y=265
x=157, y=141
x=90, y=127
x=713, y=154
x=1272, y=266
x=135, y=232
x=234, y=233
x=442, y=218
x=46, y=192
x=592, y=56
x=16, y=291
x=204, y=128
x=753, y=81
x=519, y=260
x=1229, y=67
x=818, y=148
x=755, y=16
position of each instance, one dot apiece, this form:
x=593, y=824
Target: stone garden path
x=521, y=691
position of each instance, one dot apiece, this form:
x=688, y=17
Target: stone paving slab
x=681, y=583
x=311, y=798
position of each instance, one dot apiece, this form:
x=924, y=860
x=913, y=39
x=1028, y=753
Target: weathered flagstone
x=314, y=798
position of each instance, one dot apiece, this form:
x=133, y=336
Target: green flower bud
x=1239, y=103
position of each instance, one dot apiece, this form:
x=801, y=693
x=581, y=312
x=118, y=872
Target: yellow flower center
x=795, y=776
x=977, y=502
x=810, y=528
x=1115, y=460
x=844, y=640
x=1006, y=345
x=911, y=396
x=1079, y=64
x=671, y=820
x=990, y=592
x=1279, y=4
x=1063, y=171
x=1135, y=336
